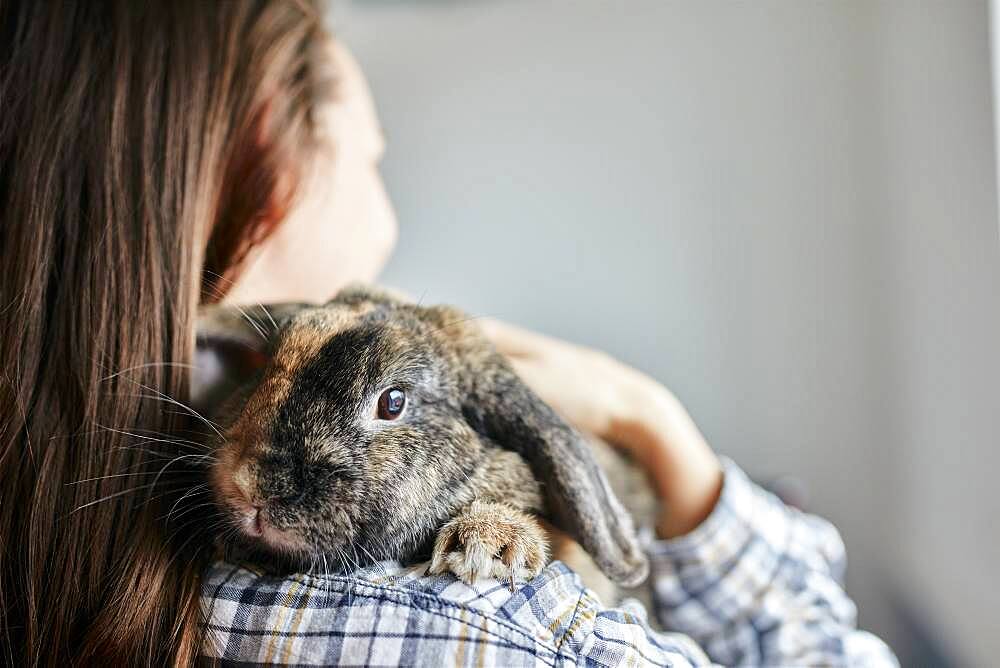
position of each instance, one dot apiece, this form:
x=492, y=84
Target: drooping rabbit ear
x=234, y=343
x=499, y=405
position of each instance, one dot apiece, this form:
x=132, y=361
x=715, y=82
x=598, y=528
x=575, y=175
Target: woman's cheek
x=357, y=224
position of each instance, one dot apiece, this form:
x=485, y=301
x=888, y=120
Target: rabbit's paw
x=490, y=540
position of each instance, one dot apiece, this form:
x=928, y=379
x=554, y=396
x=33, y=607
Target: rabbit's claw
x=490, y=540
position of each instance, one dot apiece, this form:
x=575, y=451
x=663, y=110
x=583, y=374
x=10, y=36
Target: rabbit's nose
x=243, y=481
x=281, y=479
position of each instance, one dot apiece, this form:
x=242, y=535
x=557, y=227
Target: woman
x=156, y=156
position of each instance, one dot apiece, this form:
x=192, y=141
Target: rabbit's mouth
x=257, y=525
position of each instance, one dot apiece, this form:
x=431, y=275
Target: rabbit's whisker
x=148, y=365
x=274, y=324
x=123, y=492
x=193, y=490
x=162, y=439
x=160, y=396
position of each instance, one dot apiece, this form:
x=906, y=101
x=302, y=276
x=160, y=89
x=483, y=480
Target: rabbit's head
x=367, y=419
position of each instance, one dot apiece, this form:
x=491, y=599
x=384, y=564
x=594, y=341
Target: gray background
x=785, y=211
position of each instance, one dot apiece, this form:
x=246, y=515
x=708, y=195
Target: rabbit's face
x=353, y=444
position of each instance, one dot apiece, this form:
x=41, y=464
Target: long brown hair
x=144, y=147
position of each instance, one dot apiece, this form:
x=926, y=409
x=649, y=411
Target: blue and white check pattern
x=757, y=584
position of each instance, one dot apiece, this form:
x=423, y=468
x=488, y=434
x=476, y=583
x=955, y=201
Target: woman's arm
x=750, y=579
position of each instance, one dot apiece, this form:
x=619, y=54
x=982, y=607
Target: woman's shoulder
x=388, y=614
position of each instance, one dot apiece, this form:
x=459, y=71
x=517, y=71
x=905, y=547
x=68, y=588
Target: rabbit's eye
x=391, y=404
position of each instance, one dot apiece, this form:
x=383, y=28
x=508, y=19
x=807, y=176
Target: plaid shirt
x=757, y=583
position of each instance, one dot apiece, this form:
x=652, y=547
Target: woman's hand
x=599, y=394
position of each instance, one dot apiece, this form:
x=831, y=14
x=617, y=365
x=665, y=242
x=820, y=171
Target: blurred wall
x=784, y=211
x=937, y=208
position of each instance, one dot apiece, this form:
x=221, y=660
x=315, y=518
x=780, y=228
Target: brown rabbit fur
x=310, y=468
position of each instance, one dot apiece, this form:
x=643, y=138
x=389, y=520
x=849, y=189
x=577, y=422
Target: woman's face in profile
x=342, y=227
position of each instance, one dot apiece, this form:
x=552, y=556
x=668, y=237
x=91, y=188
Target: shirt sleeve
x=759, y=583
x=623, y=637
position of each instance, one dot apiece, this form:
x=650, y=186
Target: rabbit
x=372, y=428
